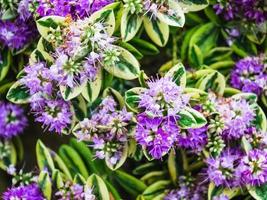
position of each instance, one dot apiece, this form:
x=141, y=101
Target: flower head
x=54, y=114
x=156, y=134
x=12, y=120
x=253, y=168
x=29, y=192
x=250, y=75
x=222, y=170
x=163, y=97
x=10, y=33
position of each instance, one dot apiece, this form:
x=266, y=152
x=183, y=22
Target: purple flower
x=38, y=78
x=54, y=114
x=250, y=75
x=253, y=168
x=156, y=134
x=23, y=10
x=12, y=120
x=237, y=116
x=250, y=10
x=75, y=8
x=11, y=33
x=222, y=170
x=180, y=194
x=163, y=97
x=29, y=192
x=194, y=139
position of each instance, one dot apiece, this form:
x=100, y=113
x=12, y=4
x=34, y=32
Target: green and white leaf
x=178, y=74
x=213, y=81
x=156, y=189
x=130, y=24
x=99, y=187
x=92, y=89
x=132, y=98
x=44, y=159
x=176, y=18
x=18, y=94
x=5, y=63
x=70, y=93
x=45, y=184
x=105, y=16
x=258, y=193
x=190, y=118
x=193, y=5
x=45, y=24
x=10, y=157
x=126, y=67
x=157, y=30
x=37, y=56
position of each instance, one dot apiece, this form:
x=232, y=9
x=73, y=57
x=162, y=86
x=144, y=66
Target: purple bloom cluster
x=193, y=139
x=107, y=129
x=250, y=75
x=47, y=105
x=11, y=33
x=251, y=10
x=237, y=116
x=76, y=8
x=29, y=192
x=12, y=120
x=157, y=130
x=222, y=170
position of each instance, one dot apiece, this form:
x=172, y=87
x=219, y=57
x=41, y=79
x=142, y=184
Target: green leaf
x=11, y=155
x=155, y=189
x=132, y=98
x=78, y=179
x=113, y=192
x=130, y=24
x=190, y=118
x=146, y=48
x=5, y=63
x=19, y=148
x=216, y=191
x=105, y=16
x=18, y=93
x=69, y=93
x=259, y=192
x=250, y=97
x=45, y=184
x=178, y=74
x=156, y=30
x=244, y=48
x=176, y=18
x=131, y=184
x=193, y=5
x=205, y=38
x=92, y=89
x=40, y=56
x=73, y=160
x=213, y=81
x=44, y=159
x=126, y=67
x=195, y=56
x=99, y=187
x=58, y=179
x=60, y=165
x=172, y=166
x=115, y=94
x=260, y=121
x=87, y=156
x=45, y=24
x=131, y=49
x=80, y=108
x=218, y=54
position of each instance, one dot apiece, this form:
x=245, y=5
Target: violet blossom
x=29, y=192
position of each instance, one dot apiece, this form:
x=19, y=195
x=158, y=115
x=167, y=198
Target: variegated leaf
x=18, y=94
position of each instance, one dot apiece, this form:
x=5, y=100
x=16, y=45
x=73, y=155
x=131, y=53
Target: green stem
x=196, y=165
x=185, y=161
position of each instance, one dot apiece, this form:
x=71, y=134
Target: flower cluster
x=250, y=75
x=251, y=10
x=108, y=129
x=77, y=8
x=29, y=192
x=12, y=120
x=157, y=130
x=81, y=48
x=20, y=22
x=46, y=102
